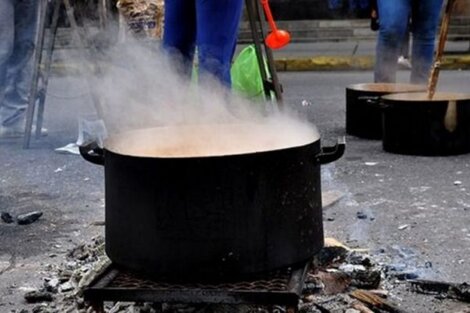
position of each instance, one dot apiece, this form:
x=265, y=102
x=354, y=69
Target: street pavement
x=315, y=56
x=418, y=208
x=353, y=55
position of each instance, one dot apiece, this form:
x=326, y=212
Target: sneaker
x=14, y=132
x=404, y=62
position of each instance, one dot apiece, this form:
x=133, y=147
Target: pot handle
x=92, y=153
x=331, y=154
x=375, y=100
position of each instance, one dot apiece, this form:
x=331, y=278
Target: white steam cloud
x=140, y=88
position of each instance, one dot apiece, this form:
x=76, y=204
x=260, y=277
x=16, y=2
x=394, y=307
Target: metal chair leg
x=47, y=66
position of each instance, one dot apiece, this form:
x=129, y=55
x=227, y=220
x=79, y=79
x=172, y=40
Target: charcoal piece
x=361, y=215
x=369, y=279
x=6, y=217
x=28, y=218
x=38, y=296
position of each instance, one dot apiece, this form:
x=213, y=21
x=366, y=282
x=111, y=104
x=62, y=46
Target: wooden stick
x=433, y=77
x=375, y=301
x=361, y=307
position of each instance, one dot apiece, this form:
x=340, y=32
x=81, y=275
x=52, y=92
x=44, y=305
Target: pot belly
x=217, y=216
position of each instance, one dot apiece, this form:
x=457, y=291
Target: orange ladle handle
x=269, y=15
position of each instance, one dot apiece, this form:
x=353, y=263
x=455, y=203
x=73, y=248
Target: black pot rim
x=421, y=97
x=389, y=87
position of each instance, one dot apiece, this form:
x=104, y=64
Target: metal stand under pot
x=279, y=288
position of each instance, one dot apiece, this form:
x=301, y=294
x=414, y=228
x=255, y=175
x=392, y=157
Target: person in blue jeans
x=209, y=25
x=394, y=17
x=18, y=19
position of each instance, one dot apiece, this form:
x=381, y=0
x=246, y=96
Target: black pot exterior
x=209, y=217
x=418, y=127
x=363, y=113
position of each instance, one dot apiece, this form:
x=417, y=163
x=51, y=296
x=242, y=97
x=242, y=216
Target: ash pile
x=62, y=290
x=340, y=280
x=345, y=280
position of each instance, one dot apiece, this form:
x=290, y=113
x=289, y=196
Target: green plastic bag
x=246, y=76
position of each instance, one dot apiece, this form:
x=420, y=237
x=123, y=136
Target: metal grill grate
x=278, y=288
x=277, y=282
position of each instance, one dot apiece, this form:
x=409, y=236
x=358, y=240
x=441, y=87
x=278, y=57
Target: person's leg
x=404, y=59
x=179, y=36
x=217, y=25
x=7, y=35
x=425, y=20
x=20, y=65
x=393, y=27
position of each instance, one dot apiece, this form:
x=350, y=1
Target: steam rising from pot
x=141, y=87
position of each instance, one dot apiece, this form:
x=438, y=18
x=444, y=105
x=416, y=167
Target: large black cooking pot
x=363, y=109
x=180, y=209
x=417, y=126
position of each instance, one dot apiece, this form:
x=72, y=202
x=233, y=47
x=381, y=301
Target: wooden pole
x=433, y=77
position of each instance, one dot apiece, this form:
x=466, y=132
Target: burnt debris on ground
x=340, y=280
x=21, y=219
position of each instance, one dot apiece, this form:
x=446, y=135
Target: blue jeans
x=359, y=4
x=212, y=26
x=335, y=4
x=18, y=19
x=393, y=17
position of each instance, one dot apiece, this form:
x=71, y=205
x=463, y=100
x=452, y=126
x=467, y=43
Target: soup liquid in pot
x=423, y=96
x=211, y=140
x=387, y=87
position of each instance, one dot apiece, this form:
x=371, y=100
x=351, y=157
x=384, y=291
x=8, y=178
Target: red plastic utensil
x=277, y=38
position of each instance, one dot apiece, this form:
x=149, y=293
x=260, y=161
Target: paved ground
x=353, y=54
x=314, y=56
x=350, y=48
x=394, y=190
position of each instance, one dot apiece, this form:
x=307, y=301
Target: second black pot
x=417, y=126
